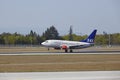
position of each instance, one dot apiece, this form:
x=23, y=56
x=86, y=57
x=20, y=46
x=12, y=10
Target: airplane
x=70, y=45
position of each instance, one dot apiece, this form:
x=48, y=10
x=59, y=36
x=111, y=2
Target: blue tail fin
x=91, y=37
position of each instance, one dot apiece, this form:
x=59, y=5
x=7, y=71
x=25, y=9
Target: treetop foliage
x=51, y=33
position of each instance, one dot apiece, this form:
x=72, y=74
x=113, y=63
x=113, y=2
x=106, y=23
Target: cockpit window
x=46, y=41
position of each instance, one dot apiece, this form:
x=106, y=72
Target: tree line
x=32, y=38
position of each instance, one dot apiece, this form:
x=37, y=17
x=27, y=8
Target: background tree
x=100, y=40
x=107, y=37
x=33, y=38
x=51, y=33
x=70, y=34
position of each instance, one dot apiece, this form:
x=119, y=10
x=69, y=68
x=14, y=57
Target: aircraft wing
x=76, y=46
x=72, y=46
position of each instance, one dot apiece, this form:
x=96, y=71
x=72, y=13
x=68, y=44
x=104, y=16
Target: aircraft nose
x=42, y=43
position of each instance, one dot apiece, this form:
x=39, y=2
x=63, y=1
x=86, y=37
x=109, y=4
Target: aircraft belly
x=79, y=46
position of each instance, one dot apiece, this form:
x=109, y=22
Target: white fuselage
x=69, y=44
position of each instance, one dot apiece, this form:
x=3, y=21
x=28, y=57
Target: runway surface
x=57, y=53
x=83, y=75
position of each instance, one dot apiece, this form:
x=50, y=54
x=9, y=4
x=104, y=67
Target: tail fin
x=91, y=37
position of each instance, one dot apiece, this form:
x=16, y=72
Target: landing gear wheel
x=71, y=50
x=48, y=49
x=66, y=50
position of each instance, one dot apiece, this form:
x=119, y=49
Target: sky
x=21, y=16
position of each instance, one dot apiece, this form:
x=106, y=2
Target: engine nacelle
x=64, y=47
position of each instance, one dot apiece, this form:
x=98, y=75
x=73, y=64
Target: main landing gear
x=66, y=50
x=71, y=50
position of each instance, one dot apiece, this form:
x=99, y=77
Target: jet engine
x=64, y=47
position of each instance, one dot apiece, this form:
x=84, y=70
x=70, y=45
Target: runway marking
x=61, y=53
x=80, y=75
x=53, y=63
